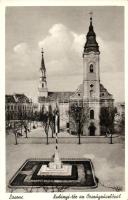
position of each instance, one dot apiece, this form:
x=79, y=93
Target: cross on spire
x=91, y=14
x=42, y=51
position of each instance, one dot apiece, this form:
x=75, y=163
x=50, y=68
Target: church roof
x=78, y=94
x=59, y=96
x=104, y=94
x=91, y=43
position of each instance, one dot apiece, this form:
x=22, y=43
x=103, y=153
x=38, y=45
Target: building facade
x=91, y=94
x=17, y=107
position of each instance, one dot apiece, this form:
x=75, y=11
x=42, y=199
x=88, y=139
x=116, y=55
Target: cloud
x=22, y=63
x=78, y=43
x=62, y=48
x=110, y=80
x=62, y=55
x=58, y=42
x=111, y=55
x=21, y=48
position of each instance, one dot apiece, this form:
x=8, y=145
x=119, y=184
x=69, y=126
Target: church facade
x=90, y=94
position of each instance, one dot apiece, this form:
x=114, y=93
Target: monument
x=55, y=166
x=58, y=173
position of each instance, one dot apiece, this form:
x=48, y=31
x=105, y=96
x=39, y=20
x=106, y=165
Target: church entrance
x=92, y=129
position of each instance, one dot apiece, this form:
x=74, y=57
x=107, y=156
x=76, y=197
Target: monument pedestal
x=55, y=168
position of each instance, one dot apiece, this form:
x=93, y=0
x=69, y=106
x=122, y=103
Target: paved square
x=108, y=159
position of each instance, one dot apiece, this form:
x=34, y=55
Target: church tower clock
x=91, y=82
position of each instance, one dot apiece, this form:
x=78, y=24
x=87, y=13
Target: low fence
x=64, y=140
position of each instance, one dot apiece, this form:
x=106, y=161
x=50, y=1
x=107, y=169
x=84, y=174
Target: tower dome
x=91, y=43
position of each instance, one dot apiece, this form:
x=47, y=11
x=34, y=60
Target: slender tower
x=91, y=81
x=43, y=90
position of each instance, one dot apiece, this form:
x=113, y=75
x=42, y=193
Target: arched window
x=91, y=68
x=91, y=114
x=42, y=85
x=91, y=93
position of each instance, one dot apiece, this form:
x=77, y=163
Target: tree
x=15, y=131
x=78, y=115
x=122, y=123
x=45, y=123
x=48, y=119
x=20, y=117
x=51, y=119
x=107, y=115
x=44, y=118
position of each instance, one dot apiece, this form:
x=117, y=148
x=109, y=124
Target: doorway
x=92, y=129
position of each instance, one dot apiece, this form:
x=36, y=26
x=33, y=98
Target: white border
x=3, y=4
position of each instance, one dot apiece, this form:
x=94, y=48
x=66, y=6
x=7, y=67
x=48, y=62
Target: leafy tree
x=78, y=116
x=122, y=123
x=107, y=115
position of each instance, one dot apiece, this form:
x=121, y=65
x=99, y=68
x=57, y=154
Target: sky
x=61, y=31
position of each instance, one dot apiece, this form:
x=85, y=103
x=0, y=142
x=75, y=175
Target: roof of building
x=58, y=96
x=17, y=98
x=91, y=43
x=9, y=99
x=77, y=95
x=104, y=94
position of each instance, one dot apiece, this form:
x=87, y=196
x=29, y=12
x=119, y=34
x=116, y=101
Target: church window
x=102, y=94
x=78, y=94
x=91, y=93
x=91, y=114
x=42, y=85
x=91, y=68
x=91, y=85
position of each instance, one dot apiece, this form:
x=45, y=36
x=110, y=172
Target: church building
x=90, y=92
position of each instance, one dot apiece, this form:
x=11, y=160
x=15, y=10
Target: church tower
x=43, y=91
x=91, y=82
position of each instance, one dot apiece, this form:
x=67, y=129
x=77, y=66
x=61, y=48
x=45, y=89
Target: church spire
x=91, y=43
x=42, y=61
x=43, y=91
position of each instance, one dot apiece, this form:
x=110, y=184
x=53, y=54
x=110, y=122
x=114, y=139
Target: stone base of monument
x=37, y=173
x=55, y=167
x=64, y=170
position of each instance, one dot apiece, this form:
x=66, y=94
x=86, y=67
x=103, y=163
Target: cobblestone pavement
x=108, y=159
